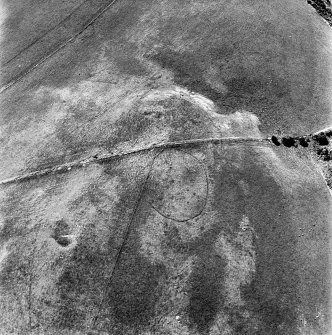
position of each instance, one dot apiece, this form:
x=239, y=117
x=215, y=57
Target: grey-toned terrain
x=140, y=191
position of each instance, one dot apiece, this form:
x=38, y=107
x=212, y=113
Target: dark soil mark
x=70, y=284
x=272, y=295
x=130, y=65
x=244, y=86
x=206, y=292
x=187, y=72
x=61, y=232
x=83, y=276
x=208, y=278
x=135, y=289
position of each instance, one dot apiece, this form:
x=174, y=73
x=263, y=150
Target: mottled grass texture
x=135, y=246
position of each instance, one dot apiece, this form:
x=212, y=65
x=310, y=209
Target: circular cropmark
x=178, y=185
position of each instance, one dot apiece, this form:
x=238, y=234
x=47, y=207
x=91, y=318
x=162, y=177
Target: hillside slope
x=219, y=237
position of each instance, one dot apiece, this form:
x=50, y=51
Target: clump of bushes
x=304, y=141
x=294, y=141
x=321, y=139
x=275, y=140
x=289, y=141
x=324, y=153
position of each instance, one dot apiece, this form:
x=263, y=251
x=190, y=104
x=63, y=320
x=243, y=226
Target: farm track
x=320, y=7
x=80, y=163
x=101, y=10
x=121, y=154
x=45, y=33
x=118, y=154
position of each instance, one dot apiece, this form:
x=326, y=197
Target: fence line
x=120, y=154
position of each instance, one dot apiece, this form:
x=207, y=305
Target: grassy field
x=211, y=238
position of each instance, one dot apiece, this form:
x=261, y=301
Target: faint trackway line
x=125, y=237
x=45, y=33
x=21, y=75
x=119, y=154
